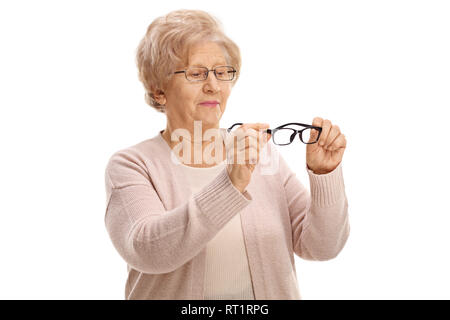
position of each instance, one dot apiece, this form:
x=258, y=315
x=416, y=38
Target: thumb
x=266, y=137
x=313, y=134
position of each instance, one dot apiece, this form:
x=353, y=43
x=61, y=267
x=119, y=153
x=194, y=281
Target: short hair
x=167, y=43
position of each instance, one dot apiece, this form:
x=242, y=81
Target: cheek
x=226, y=93
x=188, y=93
x=183, y=92
x=192, y=93
x=186, y=97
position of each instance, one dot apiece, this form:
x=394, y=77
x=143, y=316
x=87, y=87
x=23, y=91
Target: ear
x=159, y=96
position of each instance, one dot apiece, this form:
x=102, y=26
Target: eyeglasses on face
x=222, y=73
x=284, y=135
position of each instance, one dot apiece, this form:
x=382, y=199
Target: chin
x=208, y=121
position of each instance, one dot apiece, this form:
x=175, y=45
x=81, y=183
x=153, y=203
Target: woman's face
x=183, y=98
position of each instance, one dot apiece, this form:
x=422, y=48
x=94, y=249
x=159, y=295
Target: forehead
x=206, y=54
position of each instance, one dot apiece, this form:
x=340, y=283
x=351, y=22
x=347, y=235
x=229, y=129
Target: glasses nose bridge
x=208, y=73
x=210, y=78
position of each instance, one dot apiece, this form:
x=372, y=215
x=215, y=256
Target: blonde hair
x=167, y=42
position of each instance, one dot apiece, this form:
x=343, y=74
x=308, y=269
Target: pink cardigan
x=161, y=231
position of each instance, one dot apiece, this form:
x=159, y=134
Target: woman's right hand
x=243, y=147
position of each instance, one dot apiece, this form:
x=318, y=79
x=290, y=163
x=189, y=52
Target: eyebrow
x=202, y=65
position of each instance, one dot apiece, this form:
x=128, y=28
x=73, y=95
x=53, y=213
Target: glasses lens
x=225, y=73
x=196, y=74
x=309, y=135
x=283, y=136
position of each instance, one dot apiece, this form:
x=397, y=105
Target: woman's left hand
x=325, y=155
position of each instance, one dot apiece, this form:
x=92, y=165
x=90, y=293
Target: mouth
x=209, y=104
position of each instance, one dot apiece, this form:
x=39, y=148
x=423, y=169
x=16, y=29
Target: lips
x=209, y=103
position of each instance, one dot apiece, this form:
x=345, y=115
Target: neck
x=193, y=147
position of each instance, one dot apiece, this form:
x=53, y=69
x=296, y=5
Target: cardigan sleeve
x=152, y=239
x=319, y=220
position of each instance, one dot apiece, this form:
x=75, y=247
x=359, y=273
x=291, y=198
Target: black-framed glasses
x=222, y=73
x=284, y=134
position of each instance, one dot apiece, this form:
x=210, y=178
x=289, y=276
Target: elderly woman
x=192, y=228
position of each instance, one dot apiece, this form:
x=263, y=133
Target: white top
x=227, y=274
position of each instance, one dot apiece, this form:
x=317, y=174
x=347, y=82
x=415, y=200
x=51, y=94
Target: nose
x=211, y=84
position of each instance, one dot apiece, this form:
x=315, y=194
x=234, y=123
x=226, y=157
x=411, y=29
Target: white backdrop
x=70, y=98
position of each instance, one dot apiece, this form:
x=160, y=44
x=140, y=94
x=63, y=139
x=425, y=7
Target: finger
x=254, y=126
x=317, y=122
x=326, y=126
x=262, y=140
x=240, y=139
x=339, y=142
x=246, y=155
x=257, y=126
x=237, y=150
x=249, y=138
x=241, y=133
x=263, y=137
x=251, y=132
x=313, y=135
x=249, y=142
x=252, y=154
x=334, y=133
